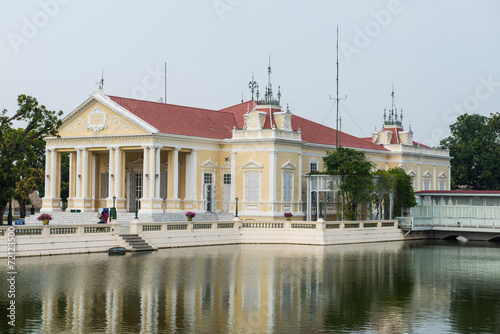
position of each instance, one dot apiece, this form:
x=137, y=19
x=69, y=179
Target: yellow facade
x=117, y=157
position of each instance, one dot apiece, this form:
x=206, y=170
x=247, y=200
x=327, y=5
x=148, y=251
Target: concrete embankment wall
x=309, y=233
x=54, y=240
x=73, y=239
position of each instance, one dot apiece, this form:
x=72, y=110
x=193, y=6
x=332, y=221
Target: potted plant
x=190, y=215
x=288, y=216
x=45, y=218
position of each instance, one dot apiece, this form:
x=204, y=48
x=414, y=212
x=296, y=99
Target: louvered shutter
x=252, y=187
x=287, y=187
x=104, y=185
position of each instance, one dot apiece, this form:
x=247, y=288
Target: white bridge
x=473, y=215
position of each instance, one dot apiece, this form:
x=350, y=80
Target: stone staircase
x=136, y=243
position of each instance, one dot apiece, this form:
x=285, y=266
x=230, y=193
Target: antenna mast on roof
x=165, y=82
x=338, y=138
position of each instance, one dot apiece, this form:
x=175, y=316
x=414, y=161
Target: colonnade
x=84, y=167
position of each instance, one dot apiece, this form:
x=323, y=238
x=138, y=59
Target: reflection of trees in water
x=475, y=307
x=357, y=285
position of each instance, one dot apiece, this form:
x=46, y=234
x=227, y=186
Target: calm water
x=412, y=287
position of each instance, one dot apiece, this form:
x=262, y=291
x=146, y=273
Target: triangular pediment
x=427, y=174
x=412, y=173
x=251, y=165
x=288, y=165
x=100, y=116
x=226, y=165
x=442, y=175
x=209, y=164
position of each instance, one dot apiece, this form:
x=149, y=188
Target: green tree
x=404, y=196
x=474, y=146
x=354, y=170
x=383, y=185
x=23, y=148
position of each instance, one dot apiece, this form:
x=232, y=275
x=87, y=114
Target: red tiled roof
x=180, y=120
x=420, y=144
x=188, y=121
x=239, y=111
x=316, y=133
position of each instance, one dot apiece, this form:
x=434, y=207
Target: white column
x=70, y=175
x=418, y=181
x=145, y=173
x=78, y=173
x=94, y=176
x=233, y=175
x=194, y=173
x=308, y=199
x=435, y=178
x=47, y=173
x=299, y=196
x=118, y=169
x=272, y=175
x=176, y=172
x=84, y=172
x=111, y=173
x=52, y=173
x=188, y=180
x=152, y=171
x=158, y=170
x=449, y=178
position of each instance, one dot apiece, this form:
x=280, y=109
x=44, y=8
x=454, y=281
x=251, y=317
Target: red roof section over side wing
x=180, y=120
x=313, y=132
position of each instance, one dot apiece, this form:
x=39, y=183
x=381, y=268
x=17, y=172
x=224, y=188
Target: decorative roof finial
x=253, y=85
x=101, y=83
x=257, y=93
x=279, y=95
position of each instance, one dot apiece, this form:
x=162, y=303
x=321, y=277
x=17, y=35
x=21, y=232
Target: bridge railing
x=458, y=222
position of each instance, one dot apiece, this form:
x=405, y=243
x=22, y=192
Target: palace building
x=168, y=159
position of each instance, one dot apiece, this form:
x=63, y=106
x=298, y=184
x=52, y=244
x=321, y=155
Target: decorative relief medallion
x=116, y=122
x=96, y=120
x=77, y=126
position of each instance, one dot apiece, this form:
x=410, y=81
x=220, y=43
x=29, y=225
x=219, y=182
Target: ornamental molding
x=209, y=164
x=96, y=120
x=251, y=165
x=288, y=165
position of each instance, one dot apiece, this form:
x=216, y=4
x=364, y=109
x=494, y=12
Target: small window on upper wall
x=313, y=166
x=427, y=185
x=442, y=185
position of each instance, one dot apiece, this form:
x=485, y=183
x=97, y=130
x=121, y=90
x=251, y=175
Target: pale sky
x=443, y=56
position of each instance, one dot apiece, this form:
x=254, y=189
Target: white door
x=134, y=190
x=226, y=192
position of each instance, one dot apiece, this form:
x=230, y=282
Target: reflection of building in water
x=264, y=288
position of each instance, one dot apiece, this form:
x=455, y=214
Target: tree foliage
x=404, y=196
x=474, y=145
x=354, y=170
x=22, y=150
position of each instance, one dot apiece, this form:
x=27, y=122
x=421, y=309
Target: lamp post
x=320, y=209
x=9, y=217
x=136, y=198
x=236, y=207
x=113, y=209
